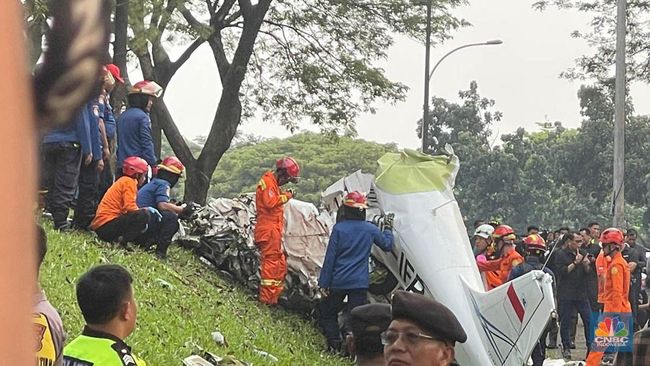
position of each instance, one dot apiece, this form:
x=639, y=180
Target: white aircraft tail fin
x=513, y=316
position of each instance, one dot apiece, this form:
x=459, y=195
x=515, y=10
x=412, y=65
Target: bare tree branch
x=223, y=11
x=219, y=54
x=190, y=18
x=186, y=55
x=210, y=6
x=174, y=136
x=234, y=16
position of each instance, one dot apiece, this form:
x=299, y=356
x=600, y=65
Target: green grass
x=197, y=303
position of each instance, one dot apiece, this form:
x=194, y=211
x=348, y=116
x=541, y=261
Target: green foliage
x=602, y=38
x=556, y=177
x=316, y=59
x=323, y=160
x=170, y=318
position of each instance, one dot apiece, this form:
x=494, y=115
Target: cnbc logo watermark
x=612, y=332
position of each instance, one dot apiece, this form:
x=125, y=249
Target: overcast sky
x=521, y=75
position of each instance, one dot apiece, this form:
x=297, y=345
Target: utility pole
x=619, y=119
x=427, y=57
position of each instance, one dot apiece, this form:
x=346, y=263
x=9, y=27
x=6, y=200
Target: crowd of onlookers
x=586, y=278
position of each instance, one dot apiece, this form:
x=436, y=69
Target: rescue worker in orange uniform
x=118, y=217
x=270, y=200
x=510, y=258
x=617, y=281
x=498, y=270
x=602, y=262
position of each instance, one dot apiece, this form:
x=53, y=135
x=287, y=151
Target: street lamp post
x=427, y=64
x=619, y=119
x=428, y=75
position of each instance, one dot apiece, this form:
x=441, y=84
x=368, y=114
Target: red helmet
x=612, y=236
x=355, y=199
x=534, y=242
x=134, y=165
x=172, y=164
x=501, y=231
x=290, y=165
x=147, y=87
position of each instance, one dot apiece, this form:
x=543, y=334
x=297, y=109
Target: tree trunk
x=197, y=185
x=228, y=115
x=121, y=23
x=156, y=136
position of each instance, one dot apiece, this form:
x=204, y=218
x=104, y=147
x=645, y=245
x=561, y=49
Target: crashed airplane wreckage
x=222, y=234
x=431, y=255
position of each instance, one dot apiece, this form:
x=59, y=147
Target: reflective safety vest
x=99, y=349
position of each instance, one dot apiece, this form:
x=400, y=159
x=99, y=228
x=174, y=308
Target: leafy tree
x=602, y=38
x=323, y=161
x=555, y=177
x=288, y=60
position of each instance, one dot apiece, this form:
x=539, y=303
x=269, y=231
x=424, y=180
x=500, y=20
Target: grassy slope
x=197, y=303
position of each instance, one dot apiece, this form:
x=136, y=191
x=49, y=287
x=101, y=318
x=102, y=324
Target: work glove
x=188, y=211
x=388, y=221
x=154, y=213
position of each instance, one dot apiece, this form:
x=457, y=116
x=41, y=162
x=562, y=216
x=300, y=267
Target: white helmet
x=484, y=231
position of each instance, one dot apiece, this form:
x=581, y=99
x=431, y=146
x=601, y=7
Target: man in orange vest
x=270, y=200
x=497, y=270
x=617, y=281
x=510, y=258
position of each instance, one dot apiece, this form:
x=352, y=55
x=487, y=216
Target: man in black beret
x=423, y=332
x=367, y=323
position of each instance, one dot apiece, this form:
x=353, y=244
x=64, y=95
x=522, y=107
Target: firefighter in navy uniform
x=345, y=267
x=534, y=246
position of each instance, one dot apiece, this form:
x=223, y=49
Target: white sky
x=521, y=75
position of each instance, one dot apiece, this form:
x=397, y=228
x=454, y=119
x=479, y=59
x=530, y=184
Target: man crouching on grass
x=105, y=296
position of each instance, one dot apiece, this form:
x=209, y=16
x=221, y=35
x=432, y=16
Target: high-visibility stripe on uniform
x=262, y=184
x=268, y=282
x=284, y=198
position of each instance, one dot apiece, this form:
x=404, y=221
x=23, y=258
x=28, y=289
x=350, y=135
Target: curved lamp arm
x=488, y=43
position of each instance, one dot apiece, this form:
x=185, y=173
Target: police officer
x=367, y=323
x=47, y=323
x=422, y=332
x=105, y=296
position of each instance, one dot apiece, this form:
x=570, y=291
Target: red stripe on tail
x=516, y=303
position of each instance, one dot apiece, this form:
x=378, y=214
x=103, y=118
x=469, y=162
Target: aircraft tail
x=513, y=316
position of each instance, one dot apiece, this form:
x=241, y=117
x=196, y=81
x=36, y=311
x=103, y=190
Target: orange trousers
x=594, y=357
x=273, y=269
